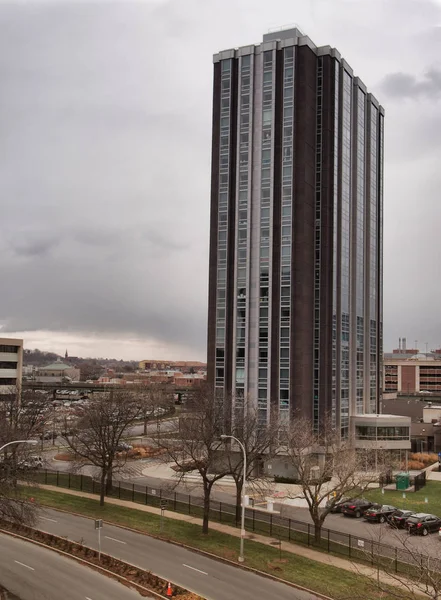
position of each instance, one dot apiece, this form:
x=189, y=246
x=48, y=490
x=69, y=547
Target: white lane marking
x=23, y=565
x=87, y=598
x=47, y=519
x=194, y=569
x=115, y=540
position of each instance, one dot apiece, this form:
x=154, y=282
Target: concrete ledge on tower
x=388, y=432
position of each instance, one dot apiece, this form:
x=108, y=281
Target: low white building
x=11, y=364
x=57, y=372
x=385, y=432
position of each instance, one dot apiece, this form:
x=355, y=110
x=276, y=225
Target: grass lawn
x=331, y=581
x=414, y=500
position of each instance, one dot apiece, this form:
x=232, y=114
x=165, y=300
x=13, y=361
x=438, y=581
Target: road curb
x=208, y=554
x=111, y=574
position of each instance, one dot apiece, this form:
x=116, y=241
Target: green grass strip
x=331, y=581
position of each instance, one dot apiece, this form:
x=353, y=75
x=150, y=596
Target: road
x=34, y=573
x=211, y=579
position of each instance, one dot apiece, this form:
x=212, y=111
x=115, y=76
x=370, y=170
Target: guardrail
x=398, y=559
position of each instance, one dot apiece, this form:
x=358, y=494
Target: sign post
x=163, y=507
x=99, y=526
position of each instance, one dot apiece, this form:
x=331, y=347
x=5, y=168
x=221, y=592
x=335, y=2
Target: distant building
x=11, y=364
x=186, y=366
x=417, y=373
x=57, y=372
x=425, y=418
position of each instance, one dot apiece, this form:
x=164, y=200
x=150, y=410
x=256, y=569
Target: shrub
x=415, y=465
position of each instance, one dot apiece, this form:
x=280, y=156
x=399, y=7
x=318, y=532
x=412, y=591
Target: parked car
x=338, y=505
x=379, y=513
x=399, y=518
x=356, y=508
x=48, y=435
x=123, y=447
x=423, y=523
x=33, y=462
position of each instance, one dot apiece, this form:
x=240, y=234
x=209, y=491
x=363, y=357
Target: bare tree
x=153, y=399
x=194, y=444
x=326, y=468
x=97, y=435
x=20, y=419
x=401, y=571
x=258, y=442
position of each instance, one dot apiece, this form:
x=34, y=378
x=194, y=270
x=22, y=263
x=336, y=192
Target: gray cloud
x=105, y=121
x=402, y=85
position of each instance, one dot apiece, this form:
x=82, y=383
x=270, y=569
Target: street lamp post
x=242, y=524
x=33, y=442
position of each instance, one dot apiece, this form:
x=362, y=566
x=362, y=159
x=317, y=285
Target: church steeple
x=66, y=356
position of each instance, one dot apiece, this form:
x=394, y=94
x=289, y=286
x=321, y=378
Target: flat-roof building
x=11, y=365
x=296, y=233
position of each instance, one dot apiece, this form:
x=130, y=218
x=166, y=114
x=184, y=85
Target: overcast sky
x=105, y=127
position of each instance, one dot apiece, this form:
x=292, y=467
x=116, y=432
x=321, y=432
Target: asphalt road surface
x=34, y=573
x=211, y=579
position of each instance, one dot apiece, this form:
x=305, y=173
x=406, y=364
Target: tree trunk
x=206, y=515
x=239, y=485
x=145, y=425
x=102, y=486
x=109, y=481
x=318, y=524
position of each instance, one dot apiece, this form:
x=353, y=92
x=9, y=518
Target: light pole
x=242, y=524
x=33, y=442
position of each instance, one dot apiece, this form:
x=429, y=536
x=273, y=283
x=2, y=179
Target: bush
x=415, y=465
x=423, y=457
x=281, y=479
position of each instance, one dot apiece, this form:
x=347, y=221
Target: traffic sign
x=98, y=523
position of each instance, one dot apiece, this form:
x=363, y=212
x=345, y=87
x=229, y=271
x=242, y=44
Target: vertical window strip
x=224, y=166
x=360, y=260
x=345, y=258
x=286, y=233
x=242, y=242
x=335, y=243
x=317, y=247
x=265, y=233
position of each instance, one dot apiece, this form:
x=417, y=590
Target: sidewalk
x=321, y=557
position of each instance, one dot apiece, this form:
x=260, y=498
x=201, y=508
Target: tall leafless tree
x=325, y=467
x=193, y=443
x=400, y=571
x=258, y=441
x=97, y=435
x=153, y=398
x=21, y=416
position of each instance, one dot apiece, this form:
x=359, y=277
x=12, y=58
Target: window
x=265, y=213
x=267, y=117
x=264, y=253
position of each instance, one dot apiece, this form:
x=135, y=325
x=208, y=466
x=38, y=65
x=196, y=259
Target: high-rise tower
x=296, y=233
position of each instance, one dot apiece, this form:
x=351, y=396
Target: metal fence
x=399, y=559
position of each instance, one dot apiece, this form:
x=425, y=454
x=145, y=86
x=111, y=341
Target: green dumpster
x=403, y=481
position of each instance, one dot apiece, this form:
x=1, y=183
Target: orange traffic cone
x=169, y=590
